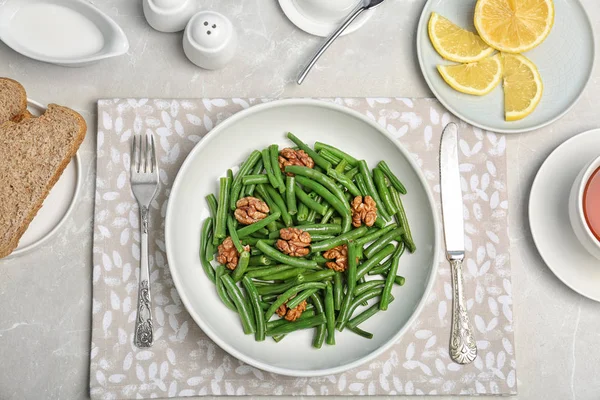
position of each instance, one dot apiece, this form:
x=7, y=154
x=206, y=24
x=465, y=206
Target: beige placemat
x=184, y=362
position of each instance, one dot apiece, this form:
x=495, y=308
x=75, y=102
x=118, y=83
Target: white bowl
x=227, y=145
x=576, y=215
x=210, y=40
x=169, y=15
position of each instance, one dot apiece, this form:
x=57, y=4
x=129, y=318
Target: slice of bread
x=13, y=100
x=33, y=155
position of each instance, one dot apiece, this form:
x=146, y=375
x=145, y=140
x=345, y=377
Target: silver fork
x=144, y=184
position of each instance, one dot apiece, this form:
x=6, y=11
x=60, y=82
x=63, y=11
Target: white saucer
x=58, y=205
x=549, y=216
x=319, y=25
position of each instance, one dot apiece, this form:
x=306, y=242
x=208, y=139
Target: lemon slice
x=454, y=43
x=476, y=78
x=522, y=86
x=514, y=26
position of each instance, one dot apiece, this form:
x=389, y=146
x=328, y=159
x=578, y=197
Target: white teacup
x=327, y=9
x=576, y=213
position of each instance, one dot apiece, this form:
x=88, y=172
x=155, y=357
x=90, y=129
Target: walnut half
x=340, y=255
x=294, y=242
x=290, y=156
x=363, y=211
x=228, y=254
x=250, y=210
x=292, y=314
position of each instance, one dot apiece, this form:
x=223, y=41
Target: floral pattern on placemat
x=184, y=362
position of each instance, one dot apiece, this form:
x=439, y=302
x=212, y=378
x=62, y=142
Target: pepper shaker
x=210, y=40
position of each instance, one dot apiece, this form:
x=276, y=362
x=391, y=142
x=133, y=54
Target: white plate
x=318, y=24
x=57, y=206
x=565, y=61
x=549, y=215
x=71, y=33
x=229, y=144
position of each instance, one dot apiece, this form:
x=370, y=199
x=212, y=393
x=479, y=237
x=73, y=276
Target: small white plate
x=229, y=144
x=319, y=24
x=565, y=61
x=71, y=33
x=57, y=206
x=549, y=215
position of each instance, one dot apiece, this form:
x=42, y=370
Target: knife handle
x=463, y=349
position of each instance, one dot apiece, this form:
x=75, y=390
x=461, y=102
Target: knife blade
x=451, y=194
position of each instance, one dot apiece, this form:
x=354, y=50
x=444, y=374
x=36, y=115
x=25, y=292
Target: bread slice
x=13, y=100
x=33, y=155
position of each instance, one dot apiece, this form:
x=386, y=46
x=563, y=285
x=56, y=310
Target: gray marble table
x=45, y=296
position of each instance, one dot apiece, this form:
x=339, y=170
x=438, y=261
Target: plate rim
x=534, y=185
x=20, y=251
x=211, y=334
x=419, y=39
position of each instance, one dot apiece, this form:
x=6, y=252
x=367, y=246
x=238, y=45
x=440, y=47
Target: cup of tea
x=584, y=207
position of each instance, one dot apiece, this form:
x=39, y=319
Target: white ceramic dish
x=549, y=215
x=58, y=205
x=229, y=144
x=70, y=33
x=321, y=18
x=210, y=40
x=169, y=15
x=565, y=61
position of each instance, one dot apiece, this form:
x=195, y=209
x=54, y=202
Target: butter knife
x=463, y=349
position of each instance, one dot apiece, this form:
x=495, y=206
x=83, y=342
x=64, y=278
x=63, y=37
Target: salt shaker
x=169, y=15
x=210, y=40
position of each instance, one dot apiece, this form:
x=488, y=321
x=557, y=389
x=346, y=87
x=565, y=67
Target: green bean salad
x=304, y=238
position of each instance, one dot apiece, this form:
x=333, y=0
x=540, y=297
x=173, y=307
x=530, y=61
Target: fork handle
x=463, y=349
x=144, y=335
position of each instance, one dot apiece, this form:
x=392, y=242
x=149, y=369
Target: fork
x=144, y=185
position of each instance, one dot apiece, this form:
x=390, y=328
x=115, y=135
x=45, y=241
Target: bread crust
x=7, y=248
x=23, y=99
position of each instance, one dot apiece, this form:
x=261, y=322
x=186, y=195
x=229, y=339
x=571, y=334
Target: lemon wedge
x=478, y=78
x=514, y=26
x=522, y=86
x=454, y=43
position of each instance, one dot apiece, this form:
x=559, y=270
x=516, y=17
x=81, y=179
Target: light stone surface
x=45, y=296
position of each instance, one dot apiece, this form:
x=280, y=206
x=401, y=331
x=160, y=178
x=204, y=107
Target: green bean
x=403, y=221
x=285, y=216
x=381, y=268
x=312, y=214
x=290, y=327
x=338, y=290
x=277, y=289
x=318, y=238
x=320, y=161
x=285, y=259
x=294, y=272
x=266, y=158
x=360, y=182
x=341, y=167
x=360, y=282
x=302, y=212
x=278, y=338
x=366, y=296
x=329, y=156
x=393, y=179
x=257, y=169
x=366, y=286
x=399, y=280
x=308, y=202
x=236, y=184
x=319, y=182
x=321, y=228
x=338, y=240
x=350, y=284
x=241, y=267
x=255, y=179
x=365, y=315
x=383, y=191
x=212, y=205
x=278, y=322
x=259, y=319
x=253, y=228
x=233, y=234
x=285, y=296
x=230, y=175
x=344, y=180
x=390, y=280
x=274, y=152
x=267, y=271
x=360, y=332
x=328, y=215
x=251, y=241
x=319, y=276
x=352, y=173
x=262, y=191
x=382, y=242
x=240, y=304
x=374, y=234
x=337, y=152
x=290, y=195
x=305, y=294
x=274, y=234
x=330, y=314
x=366, y=176
x=221, y=289
x=374, y=260
x=321, y=330
x=319, y=258
x=204, y=236
x=209, y=250
x=220, y=231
